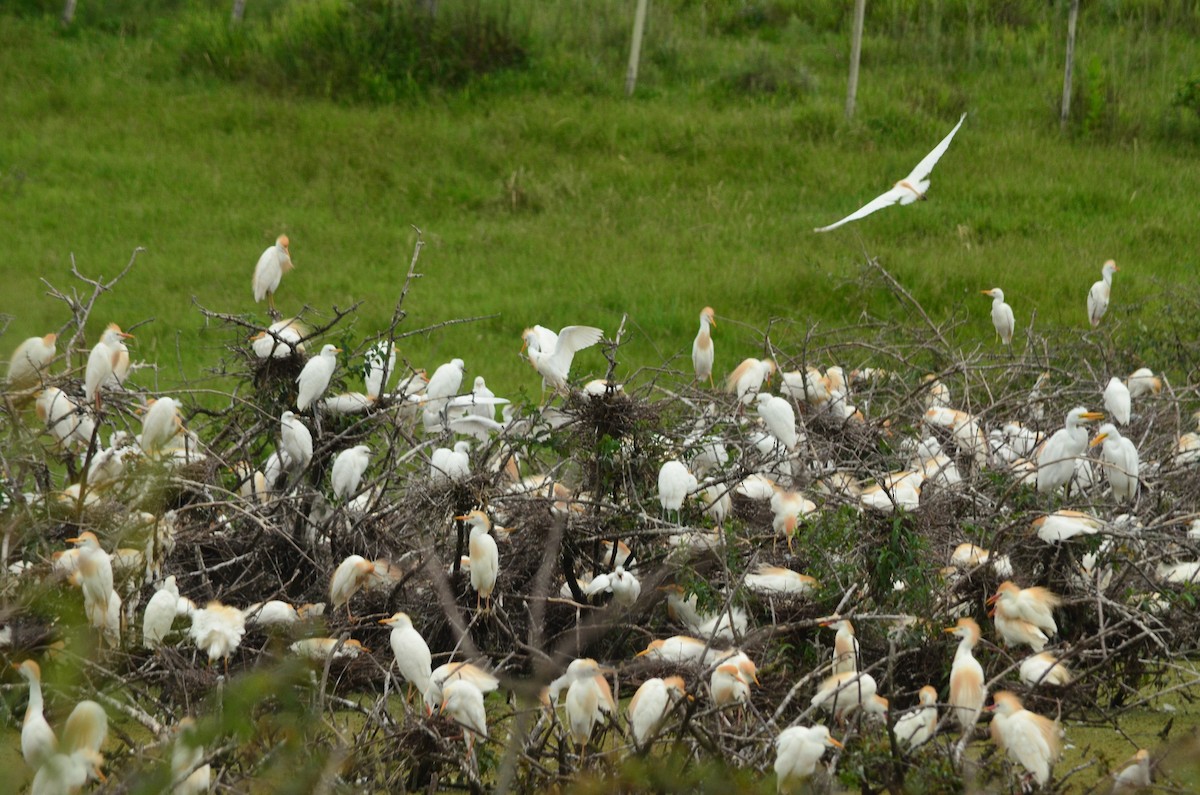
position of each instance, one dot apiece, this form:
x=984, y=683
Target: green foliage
x=357, y=50
x=1187, y=95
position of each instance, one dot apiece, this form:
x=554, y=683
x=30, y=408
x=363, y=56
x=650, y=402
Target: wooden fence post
x=239, y=10
x=68, y=13
x=1066, y=103
x=860, y=10
x=635, y=48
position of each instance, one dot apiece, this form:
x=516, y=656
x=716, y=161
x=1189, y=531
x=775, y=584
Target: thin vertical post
x=1070, y=66
x=635, y=48
x=860, y=10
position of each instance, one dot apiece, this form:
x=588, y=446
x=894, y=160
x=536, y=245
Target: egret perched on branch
x=79, y=759
x=1056, y=459
x=916, y=727
x=273, y=263
x=29, y=360
x=650, y=705
x=217, y=629
x=96, y=578
x=67, y=421
x=107, y=356
x=841, y=693
x=907, y=190
x=464, y=701
x=410, y=650
x=1002, y=315
x=1143, y=381
x=38, y=742
x=749, y=378
x=845, y=646
x=296, y=441
x=675, y=482
x=702, y=346
x=160, y=423
x=348, y=468
x=967, y=691
x=160, y=613
x=1025, y=615
x=554, y=363
x=1045, y=669
x=797, y=751
x=1097, y=299
x=780, y=418
x=1120, y=459
x=589, y=697
x=484, y=554
x=380, y=354
x=314, y=378
x=1118, y=400
x=1032, y=741
x=447, y=673
x=350, y=575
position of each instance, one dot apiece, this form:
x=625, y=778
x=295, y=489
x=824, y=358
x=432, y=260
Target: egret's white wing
x=474, y=425
x=893, y=196
x=572, y=339
x=925, y=167
x=547, y=340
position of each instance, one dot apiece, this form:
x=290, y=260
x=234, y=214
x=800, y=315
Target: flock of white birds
x=73, y=414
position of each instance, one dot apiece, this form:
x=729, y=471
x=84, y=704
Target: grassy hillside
x=546, y=196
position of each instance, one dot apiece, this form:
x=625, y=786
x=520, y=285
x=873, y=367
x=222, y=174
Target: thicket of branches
x=346, y=725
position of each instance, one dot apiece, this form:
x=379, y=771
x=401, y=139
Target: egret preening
x=1002, y=315
x=1032, y=741
x=917, y=727
x=675, y=483
x=907, y=190
x=750, y=377
x=1025, y=615
x=702, y=346
x=217, y=629
x=273, y=263
x=1097, y=299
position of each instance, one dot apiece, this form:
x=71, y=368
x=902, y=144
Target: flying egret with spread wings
x=907, y=190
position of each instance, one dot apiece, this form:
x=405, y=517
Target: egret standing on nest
x=797, y=751
x=1120, y=461
x=1056, y=459
x=350, y=575
x=348, y=468
x=29, y=360
x=314, y=378
x=967, y=691
x=554, y=364
x=1030, y=740
x=484, y=555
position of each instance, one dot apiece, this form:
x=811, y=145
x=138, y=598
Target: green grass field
x=543, y=204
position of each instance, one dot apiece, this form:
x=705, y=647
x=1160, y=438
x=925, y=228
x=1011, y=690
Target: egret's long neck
x=35, y=696
x=964, y=648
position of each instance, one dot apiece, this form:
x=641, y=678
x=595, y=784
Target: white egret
x=78, y=759
x=702, y=346
x=679, y=649
x=445, y=674
x=160, y=423
x=589, y=697
x=279, y=339
x=38, y=742
x=797, y=751
x=907, y=190
x=29, y=360
x=727, y=686
x=296, y=441
x=450, y=465
x=217, y=629
x=348, y=468
x=484, y=554
x=650, y=705
x=188, y=770
x=749, y=378
x=780, y=419
x=847, y=691
x=275, y=261
x=1056, y=459
x=1025, y=615
x=69, y=423
x=1002, y=315
x=350, y=576
x=410, y=651
x=103, y=361
x=380, y=366
x=1119, y=457
x=1098, y=295
x=1134, y=774
x=787, y=508
x=845, y=646
x=675, y=482
x=321, y=649
x=771, y=580
x=1032, y=741
x=94, y=567
x=1118, y=400
x=1045, y=669
x=916, y=727
x=1064, y=525
x=314, y=378
x=160, y=613
x=624, y=587
x=464, y=701
x=446, y=380
x=554, y=363
x=1143, y=381
x=967, y=691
